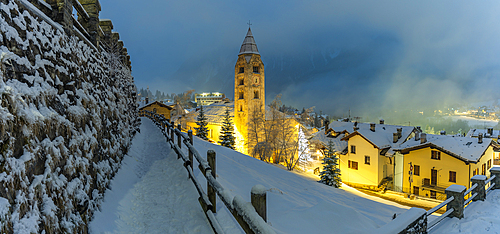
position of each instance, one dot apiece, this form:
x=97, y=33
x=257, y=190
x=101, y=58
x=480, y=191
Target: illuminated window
x=453, y=176
x=353, y=165
x=256, y=69
x=353, y=149
x=242, y=69
x=435, y=155
x=256, y=94
x=367, y=160
x=416, y=170
x=241, y=95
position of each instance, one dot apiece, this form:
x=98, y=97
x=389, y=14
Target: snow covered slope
x=297, y=204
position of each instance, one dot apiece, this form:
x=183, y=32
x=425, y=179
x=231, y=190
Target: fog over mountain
x=366, y=56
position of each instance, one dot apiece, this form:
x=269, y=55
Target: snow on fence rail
x=414, y=221
x=251, y=216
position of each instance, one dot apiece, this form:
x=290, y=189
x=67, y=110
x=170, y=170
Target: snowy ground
x=151, y=193
x=479, y=217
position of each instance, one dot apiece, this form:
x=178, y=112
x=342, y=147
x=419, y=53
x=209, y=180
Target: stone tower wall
x=252, y=82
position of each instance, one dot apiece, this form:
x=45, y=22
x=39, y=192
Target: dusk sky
x=381, y=51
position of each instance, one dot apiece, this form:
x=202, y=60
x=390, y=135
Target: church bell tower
x=249, y=92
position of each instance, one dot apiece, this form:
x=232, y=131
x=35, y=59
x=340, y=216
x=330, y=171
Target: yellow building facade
x=430, y=167
x=158, y=108
x=249, y=88
x=369, y=161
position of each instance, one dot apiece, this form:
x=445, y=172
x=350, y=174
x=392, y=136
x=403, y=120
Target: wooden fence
x=252, y=217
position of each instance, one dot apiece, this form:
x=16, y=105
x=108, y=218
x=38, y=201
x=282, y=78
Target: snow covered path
x=151, y=193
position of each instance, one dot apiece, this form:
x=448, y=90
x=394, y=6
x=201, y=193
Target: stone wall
x=68, y=113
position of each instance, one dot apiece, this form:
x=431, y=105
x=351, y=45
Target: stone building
x=249, y=86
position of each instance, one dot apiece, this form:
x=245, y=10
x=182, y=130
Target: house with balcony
x=431, y=163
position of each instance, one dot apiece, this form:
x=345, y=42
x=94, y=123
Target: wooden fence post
x=172, y=131
x=258, y=200
x=190, y=134
x=210, y=190
x=179, y=141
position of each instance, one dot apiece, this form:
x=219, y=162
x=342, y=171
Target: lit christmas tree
x=201, y=121
x=330, y=175
x=226, y=134
x=304, y=155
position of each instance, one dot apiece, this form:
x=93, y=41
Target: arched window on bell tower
x=256, y=94
x=241, y=95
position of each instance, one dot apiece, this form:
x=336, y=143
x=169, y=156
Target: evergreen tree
x=201, y=121
x=226, y=133
x=331, y=173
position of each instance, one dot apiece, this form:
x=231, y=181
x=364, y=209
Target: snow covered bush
x=65, y=124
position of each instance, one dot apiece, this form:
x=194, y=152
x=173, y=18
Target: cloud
x=392, y=53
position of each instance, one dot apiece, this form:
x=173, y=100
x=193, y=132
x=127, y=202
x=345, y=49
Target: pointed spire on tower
x=249, y=46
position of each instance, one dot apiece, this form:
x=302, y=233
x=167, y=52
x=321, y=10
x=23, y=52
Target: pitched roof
x=338, y=145
x=473, y=132
x=214, y=112
x=382, y=137
x=158, y=103
x=464, y=148
x=249, y=46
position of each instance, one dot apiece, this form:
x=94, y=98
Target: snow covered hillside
x=67, y=117
x=143, y=198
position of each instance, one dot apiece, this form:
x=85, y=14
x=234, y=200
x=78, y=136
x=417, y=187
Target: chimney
x=443, y=132
x=480, y=138
x=419, y=129
x=355, y=128
x=381, y=121
x=395, y=137
x=490, y=131
x=423, y=138
x=417, y=136
x=372, y=127
x=400, y=130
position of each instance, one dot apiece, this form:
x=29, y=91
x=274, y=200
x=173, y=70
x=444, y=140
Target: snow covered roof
x=338, y=145
x=249, y=46
x=475, y=132
x=382, y=137
x=157, y=103
x=214, y=112
x=464, y=148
